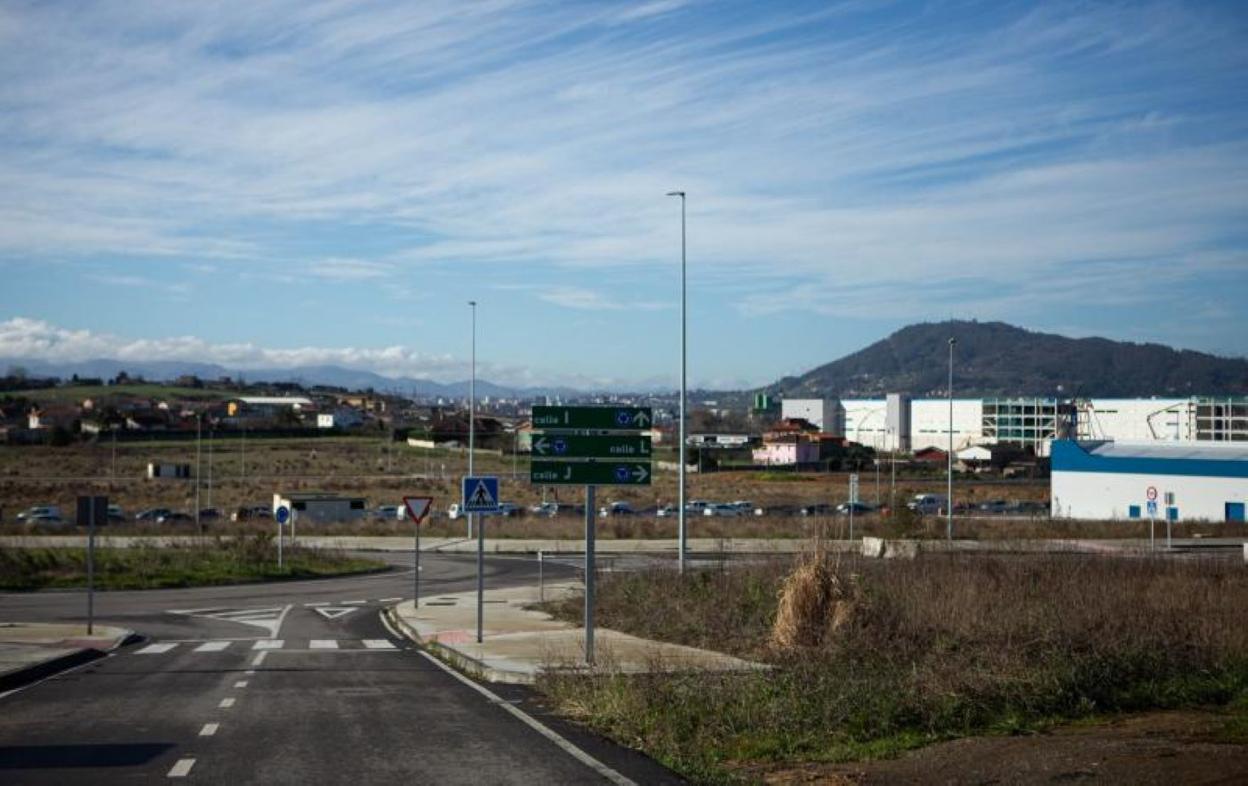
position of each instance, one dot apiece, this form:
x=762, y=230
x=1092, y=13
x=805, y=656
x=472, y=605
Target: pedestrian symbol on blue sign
x=480, y=494
x=1152, y=507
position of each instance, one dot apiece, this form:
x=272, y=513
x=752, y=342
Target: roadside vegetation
x=870, y=658
x=148, y=567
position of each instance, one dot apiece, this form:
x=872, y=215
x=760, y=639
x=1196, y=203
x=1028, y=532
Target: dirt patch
x=1162, y=748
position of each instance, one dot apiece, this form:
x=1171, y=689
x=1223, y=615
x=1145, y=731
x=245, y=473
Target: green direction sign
x=612, y=446
x=592, y=418
x=590, y=473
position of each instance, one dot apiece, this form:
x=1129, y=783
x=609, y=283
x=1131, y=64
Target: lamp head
x=680, y=194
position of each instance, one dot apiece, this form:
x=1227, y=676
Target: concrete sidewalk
x=520, y=642
x=32, y=650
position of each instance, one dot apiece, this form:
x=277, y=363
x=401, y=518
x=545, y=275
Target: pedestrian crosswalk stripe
x=323, y=644
x=378, y=644
x=217, y=646
x=268, y=644
x=212, y=646
x=155, y=649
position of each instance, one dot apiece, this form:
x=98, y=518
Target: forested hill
x=996, y=359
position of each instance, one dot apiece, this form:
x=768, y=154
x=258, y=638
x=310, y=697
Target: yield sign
x=334, y=612
x=417, y=507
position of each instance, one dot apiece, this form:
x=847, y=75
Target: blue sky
x=329, y=182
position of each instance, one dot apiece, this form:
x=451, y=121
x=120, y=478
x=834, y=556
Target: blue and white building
x=1118, y=480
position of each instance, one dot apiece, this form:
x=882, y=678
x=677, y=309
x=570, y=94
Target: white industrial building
x=1118, y=480
x=899, y=423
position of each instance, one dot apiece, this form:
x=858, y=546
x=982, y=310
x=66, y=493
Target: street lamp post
x=472, y=444
x=684, y=395
x=199, y=427
x=949, y=494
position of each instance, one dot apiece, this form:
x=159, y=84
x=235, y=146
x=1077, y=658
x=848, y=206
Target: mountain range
x=989, y=359
x=996, y=359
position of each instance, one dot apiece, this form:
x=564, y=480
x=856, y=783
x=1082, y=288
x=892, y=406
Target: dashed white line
x=182, y=768
x=352, y=602
x=226, y=703
x=378, y=644
x=268, y=644
x=241, y=684
x=212, y=646
x=209, y=729
x=250, y=671
x=323, y=644
x=256, y=661
x=389, y=600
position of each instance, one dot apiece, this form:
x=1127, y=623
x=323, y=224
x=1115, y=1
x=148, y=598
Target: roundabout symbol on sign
x=1152, y=493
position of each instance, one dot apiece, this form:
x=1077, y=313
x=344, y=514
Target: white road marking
x=389, y=600
x=259, y=659
x=268, y=644
x=269, y=617
x=250, y=671
x=533, y=723
x=155, y=649
x=314, y=605
x=209, y=729
x=182, y=768
x=226, y=703
x=352, y=602
x=378, y=644
x=323, y=644
x=334, y=612
x=212, y=646
x=241, y=684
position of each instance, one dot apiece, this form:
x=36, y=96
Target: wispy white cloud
x=350, y=269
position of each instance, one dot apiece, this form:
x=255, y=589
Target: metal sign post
x=91, y=511
x=280, y=516
x=417, y=509
x=1151, y=496
x=590, y=515
x=479, y=494
x=853, y=501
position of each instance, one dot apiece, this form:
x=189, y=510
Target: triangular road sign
x=480, y=497
x=334, y=612
x=417, y=507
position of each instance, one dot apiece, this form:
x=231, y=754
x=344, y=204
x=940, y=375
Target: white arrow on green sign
x=590, y=473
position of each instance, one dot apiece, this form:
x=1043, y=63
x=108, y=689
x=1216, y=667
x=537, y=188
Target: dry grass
x=942, y=646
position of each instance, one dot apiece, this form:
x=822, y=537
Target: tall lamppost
x=684, y=346
x=949, y=495
x=472, y=444
x=199, y=426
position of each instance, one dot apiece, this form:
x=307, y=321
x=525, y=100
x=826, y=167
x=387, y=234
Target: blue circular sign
x=282, y=514
x=622, y=418
x=621, y=474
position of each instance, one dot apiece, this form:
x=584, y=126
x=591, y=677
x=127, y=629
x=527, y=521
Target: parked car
x=747, y=508
x=545, y=509
x=695, y=506
x=209, y=514
x=666, y=510
x=39, y=512
x=388, y=512
x=510, y=509
x=721, y=509
x=616, y=509
x=152, y=514
x=818, y=509
x=927, y=503
x=175, y=517
x=452, y=511
x=115, y=514
x=994, y=506
x=252, y=513
x=858, y=507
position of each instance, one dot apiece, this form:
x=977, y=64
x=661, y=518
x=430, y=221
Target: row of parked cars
x=51, y=515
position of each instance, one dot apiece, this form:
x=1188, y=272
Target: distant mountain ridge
x=337, y=376
x=997, y=359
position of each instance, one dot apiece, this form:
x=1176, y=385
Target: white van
x=927, y=504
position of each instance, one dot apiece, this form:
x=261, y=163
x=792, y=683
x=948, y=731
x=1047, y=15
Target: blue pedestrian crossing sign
x=480, y=494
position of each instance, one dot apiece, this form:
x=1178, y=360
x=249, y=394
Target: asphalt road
x=296, y=682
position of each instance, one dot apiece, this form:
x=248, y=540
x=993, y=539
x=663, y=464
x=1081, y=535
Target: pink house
x=787, y=453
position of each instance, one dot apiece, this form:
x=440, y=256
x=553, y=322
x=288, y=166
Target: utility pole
x=684, y=391
x=949, y=498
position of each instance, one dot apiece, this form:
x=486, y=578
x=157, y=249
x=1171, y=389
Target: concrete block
x=901, y=549
x=873, y=548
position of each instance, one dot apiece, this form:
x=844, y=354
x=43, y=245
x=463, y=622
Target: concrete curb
x=43, y=669
x=456, y=659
